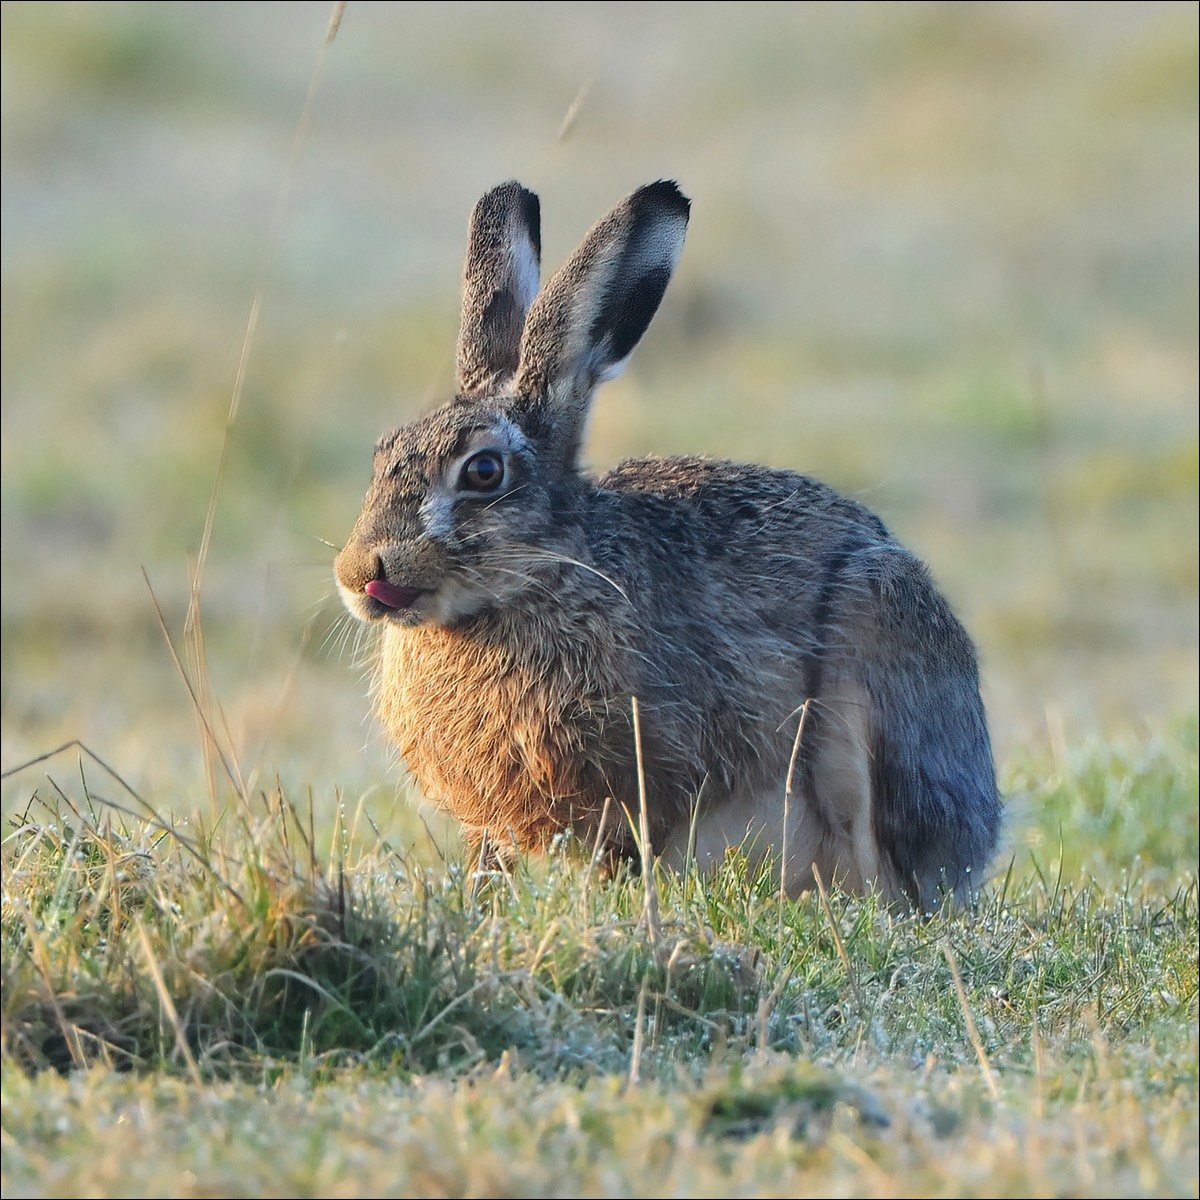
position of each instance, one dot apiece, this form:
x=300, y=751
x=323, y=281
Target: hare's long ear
x=586, y=322
x=500, y=280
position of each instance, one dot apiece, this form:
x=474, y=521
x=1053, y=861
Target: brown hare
x=522, y=605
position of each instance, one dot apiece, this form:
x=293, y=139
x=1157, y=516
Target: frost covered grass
x=239, y=1007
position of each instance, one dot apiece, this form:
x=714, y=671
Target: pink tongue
x=391, y=595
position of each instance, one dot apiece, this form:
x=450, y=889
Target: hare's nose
x=356, y=566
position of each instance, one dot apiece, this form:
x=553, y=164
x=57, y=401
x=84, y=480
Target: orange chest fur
x=495, y=732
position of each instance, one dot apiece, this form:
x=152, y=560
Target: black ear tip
x=509, y=196
x=531, y=208
x=663, y=195
x=518, y=193
x=511, y=189
x=511, y=202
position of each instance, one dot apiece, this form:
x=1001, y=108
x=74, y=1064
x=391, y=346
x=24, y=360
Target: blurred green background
x=943, y=256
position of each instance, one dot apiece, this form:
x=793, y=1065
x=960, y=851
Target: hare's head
x=466, y=502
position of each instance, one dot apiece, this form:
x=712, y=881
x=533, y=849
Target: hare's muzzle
x=391, y=595
x=362, y=578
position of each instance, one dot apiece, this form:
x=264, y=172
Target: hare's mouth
x=392, y=595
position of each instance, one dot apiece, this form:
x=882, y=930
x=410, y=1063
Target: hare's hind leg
x=836, y=795
x=824, y=824
x=839, y=798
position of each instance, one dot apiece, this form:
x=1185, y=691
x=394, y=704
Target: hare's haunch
x=523, y=603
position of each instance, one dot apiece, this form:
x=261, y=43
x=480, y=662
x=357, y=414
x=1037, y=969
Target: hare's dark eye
x=483, y=472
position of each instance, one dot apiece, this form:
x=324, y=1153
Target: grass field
x=942, y=256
